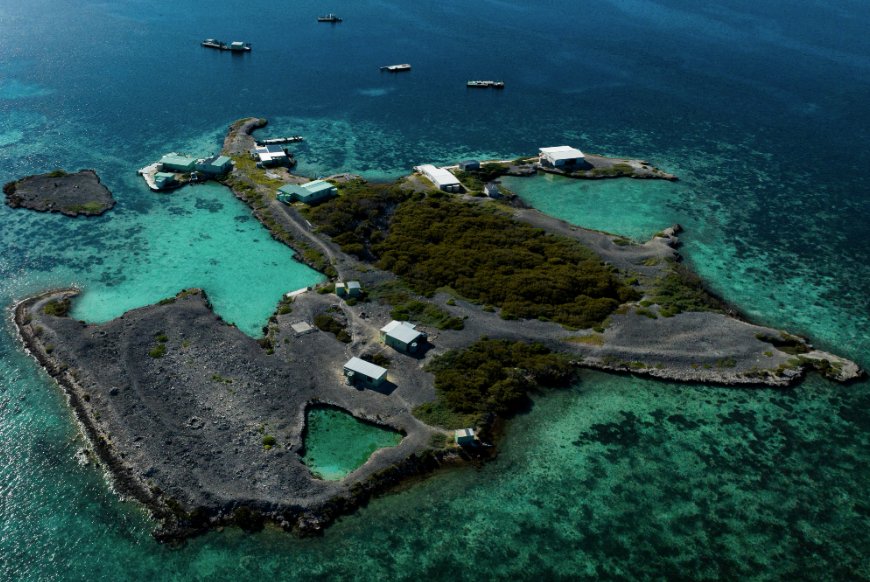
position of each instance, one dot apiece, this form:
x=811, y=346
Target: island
x=76, y=194
x=442, y=315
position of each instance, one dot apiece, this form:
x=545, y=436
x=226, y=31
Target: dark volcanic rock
x=181, y=427
x=70, y=194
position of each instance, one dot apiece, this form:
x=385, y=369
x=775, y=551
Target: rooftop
x=405, y=333
x=218, y=161
x=177, y=159
x=439, y=176
x=365, y=368
x=318, y=186
x=562, y=153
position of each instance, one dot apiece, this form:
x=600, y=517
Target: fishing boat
x=485, y=84
x=280, y=140
x=329, y=18
x=396, y=68
x=235, y=46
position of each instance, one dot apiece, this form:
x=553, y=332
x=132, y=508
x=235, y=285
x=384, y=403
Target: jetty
x=149, y=172
x=485, y=84
x=280, y=140
x=235, y=46
x=396, y=68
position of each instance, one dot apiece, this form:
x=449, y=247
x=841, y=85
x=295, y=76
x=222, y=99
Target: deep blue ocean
x=761, y=108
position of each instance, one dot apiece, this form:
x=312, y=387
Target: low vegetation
x=407, y=308
x=785, y=342
x=157, y=351
x=358, y=219
x=474, y=180
x=328, y=323
x=57, y=308
x=490, y=376
x=87, y=207
x=491, y=259
x=614, y=171
x=682, y=291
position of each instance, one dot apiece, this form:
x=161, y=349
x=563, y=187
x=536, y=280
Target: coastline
x=710, y=347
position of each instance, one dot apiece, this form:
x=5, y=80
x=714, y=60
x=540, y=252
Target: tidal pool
x=337, y=443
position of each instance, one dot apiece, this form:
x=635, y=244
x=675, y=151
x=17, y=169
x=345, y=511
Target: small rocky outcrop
x=78, y=194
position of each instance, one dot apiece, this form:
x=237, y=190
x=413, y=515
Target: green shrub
x=494, y=376
x=157, y=351
x=269, y=441
x=492, y=259
x=327, y=323
x=680, y=291
x=57, y=308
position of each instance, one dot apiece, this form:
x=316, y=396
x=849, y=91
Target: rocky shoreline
x=78, y=194
x=161, y=454
x=602, y=168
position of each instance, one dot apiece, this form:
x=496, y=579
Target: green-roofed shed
x=178, y=163
x=164, y=180
x=309, y=193
x=215, y=165
x=288, y=193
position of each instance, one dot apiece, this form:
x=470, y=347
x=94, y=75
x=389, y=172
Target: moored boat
x=396, y=68
x=235, y=46
x=485, y=84
x=213, y=43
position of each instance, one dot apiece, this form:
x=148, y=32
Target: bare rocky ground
x=183, y=432
x=69, y=194
x=601, y=167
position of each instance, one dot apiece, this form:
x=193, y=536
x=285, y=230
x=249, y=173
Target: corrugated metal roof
x=439, y=176
x=562, y=153
x=318, y=186
x=403, y=331
x=405, y=334
x=368, y=369
x=177, y=159
x=291, y=189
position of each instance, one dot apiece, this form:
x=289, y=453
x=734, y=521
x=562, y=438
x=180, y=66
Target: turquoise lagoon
x=760, y=108
x=337, y=443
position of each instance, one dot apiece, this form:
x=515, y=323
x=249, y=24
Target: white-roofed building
x=270, y=155
x=443, y=179
x=358, y=371
x=403, y=336
x=561, y=156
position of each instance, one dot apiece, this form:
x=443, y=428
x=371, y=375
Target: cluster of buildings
x=560, y=157
x=402, y=336
x=174, y=169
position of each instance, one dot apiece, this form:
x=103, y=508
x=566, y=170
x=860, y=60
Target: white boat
x=396, y=68
x=485, y=84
